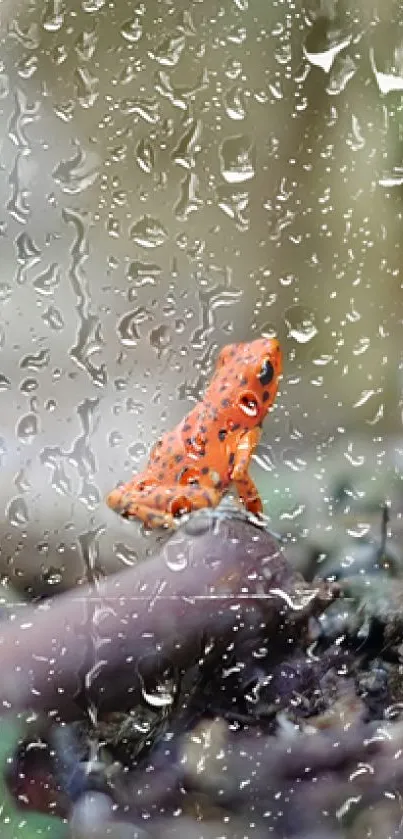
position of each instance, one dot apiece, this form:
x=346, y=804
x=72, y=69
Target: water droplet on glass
x=92, y=5
x=115, y=439
x=143, y=273
x=355, y=138
x=161, y=338
x=27, y=428
x=86, y=86
x=27, y=66
x=235, y=205
x=234, y=103
x=89, y=495
x=393, y=177
x=160, y=697
x=175, y=560
x=17, y=512
x=5, y=383
x=184, y=154
x=169, y=50
x=301, y=324
x=344, y=69
x=132, y=30
x=158, y=685
x=127, y=327
x=4, y=85
x=86, y=44
x=237, y=162
x=52, y=576
x=148, y=232
x=237, y=35
x=77, y=173
x=48, y=281
x=189, y=200
x=28, y=255
x=35, y=362
x=5, y=292
x=137, y=451
x=390, y=77
x=324, y=42
x=29, y=386
x=145, y=156
x=53, y=16
x=126, y=555
x=53, y=318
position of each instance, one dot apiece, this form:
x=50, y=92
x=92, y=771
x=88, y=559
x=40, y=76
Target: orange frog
x=192, y=466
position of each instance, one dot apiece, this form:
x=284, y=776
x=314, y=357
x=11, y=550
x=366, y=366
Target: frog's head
x=247, y=375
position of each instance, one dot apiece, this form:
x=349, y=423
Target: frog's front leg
x=246, y=488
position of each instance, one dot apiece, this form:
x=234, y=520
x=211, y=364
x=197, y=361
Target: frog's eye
x=266, y=373
x=248, y=404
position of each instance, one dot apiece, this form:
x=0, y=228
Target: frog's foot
x=253, y=505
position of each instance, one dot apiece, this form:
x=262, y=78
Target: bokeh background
x=175, y=176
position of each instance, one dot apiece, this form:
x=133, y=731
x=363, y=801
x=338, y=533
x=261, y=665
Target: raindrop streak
x=80, y=455
x=89, y=341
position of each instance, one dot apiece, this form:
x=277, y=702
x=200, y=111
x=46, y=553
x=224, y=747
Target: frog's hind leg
x=125, y=496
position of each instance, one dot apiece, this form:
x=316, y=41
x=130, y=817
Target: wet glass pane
x=175, y=177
